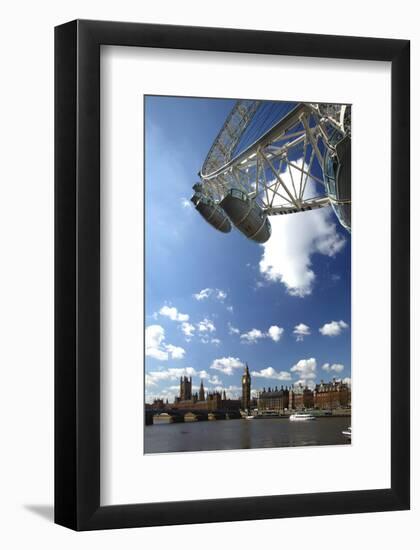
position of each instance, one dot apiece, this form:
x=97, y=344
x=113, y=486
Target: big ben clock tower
x=246, y=389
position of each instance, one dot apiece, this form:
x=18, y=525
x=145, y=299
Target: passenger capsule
x=198, y=187
x=211, y=212
x=247, y=215
x=337, y=178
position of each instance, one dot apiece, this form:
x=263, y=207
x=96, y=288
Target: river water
x=243, y=434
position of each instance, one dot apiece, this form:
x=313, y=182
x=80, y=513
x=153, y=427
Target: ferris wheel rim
x=250, y=110
x=300, y=109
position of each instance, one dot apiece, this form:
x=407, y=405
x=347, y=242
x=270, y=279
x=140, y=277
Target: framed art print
x=232, y=275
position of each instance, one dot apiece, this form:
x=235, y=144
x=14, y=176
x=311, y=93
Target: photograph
x=247, y=266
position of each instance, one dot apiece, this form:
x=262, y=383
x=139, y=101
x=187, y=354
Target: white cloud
x=188, y=329
x=230, y=309
x=227, y=365
x=252, y=336
x=333, y=329
x=232, y=329
x=173, y=314
x=186, y=203
x=347, y=380
x=304, y=383
x=156, y=347
x=206, y=340
x=204, y=329
x=215, y=380
x=272, y=374
x=153, y=377
x=156, y=353
x=305, y=369
x=165, y=393
x=155, y=335
x=335, y=367
x=232, y=392
x=217, y=293
x=206, y=326
x=203, y=294
x=294, y=239
x=300, y=331
x=175, y=352
x=150, y=381
x=275, y=333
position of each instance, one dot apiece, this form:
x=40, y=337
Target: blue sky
x=215, y=301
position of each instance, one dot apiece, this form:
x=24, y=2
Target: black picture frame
x=77, y=274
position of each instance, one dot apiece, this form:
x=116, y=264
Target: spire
x=201, y=392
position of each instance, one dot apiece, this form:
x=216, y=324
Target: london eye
x=275, y=159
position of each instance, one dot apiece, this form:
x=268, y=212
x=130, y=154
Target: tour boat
x=347, y=433
x=301, y=417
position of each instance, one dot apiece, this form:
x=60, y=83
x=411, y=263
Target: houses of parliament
x=335, y=394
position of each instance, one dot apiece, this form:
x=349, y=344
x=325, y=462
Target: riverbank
x=173, y=416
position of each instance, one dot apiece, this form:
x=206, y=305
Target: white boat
x=347, y=433
x=301, y=417
x=249, y=417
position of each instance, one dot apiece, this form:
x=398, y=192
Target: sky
x=214, y=301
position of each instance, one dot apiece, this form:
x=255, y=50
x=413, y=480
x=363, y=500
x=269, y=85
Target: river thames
x=244, y=434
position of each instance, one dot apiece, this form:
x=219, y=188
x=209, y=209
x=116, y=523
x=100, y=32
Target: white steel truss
x=283, y=168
